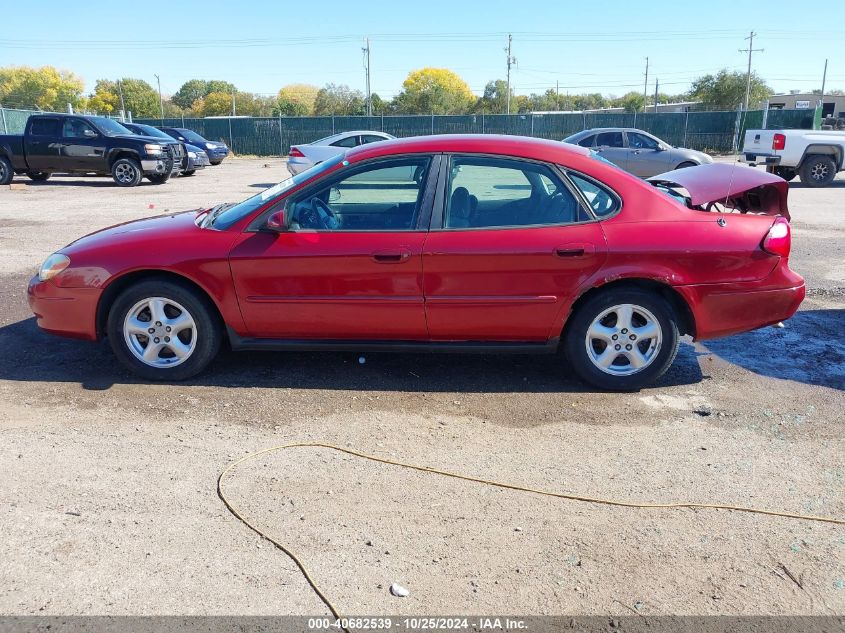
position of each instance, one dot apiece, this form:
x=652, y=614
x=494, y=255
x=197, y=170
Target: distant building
x=806, y=100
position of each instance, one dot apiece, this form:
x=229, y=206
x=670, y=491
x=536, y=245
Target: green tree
x=434, y=91
x=297, y=99
x=339, y=99
x=214, y=104
x=632, y=102
x=139, y=97
x=495, y=98
x=190, y=92
x=45, y=87
x=727, y=89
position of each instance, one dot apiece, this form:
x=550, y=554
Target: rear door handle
x=575, y=250
x=392, y=257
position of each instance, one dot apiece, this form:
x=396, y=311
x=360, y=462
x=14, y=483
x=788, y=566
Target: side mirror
x=276, y=222
x=89, y=133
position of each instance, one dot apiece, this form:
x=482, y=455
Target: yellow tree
x=434, y=91
x=297, y=99
x=46, y=88
x=214, y=104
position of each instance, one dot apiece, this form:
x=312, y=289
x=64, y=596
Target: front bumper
x=68, y=312
x=217, y=155
x=756, y=158
x=151, y=166
x=200, y=162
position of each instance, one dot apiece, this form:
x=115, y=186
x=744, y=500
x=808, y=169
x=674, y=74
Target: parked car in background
x=492, y=243
x=306, y=155
x=815, y=155
x=75, y=144
x=195, y=158
x=638, y=152
x=216, y=150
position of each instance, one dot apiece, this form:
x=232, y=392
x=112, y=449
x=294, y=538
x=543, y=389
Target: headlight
x=152, y=148
x=52, y=266
x=210, y=146
x=192, y=154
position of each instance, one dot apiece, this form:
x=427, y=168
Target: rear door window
x=610, y=139
x=349, y=141
x=601, y=200
x=44, y=127
x=587, y=141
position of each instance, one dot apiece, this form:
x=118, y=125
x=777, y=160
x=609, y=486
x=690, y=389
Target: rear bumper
x=64, y=311
x=756, y=158
x=725, y=309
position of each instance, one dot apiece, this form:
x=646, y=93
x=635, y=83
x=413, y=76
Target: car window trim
x=420, y=226
x=438, y=215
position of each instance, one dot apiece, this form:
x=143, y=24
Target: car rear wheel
x=6, y=171
x=622, y=340
x=38, y=176
x=818, y=170
x=126, y=172
x=158, y=179
x=163, y=330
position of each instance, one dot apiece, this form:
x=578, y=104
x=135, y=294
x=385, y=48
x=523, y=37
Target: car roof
x=497, y=144
x=340, y=135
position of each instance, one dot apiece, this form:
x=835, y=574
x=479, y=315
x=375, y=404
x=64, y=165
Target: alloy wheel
x=623, y=340
x=160, y=332
x=125, y=172
x=819, y=171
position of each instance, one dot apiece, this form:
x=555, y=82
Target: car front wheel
x=162, y=330
x=622, y=340
x=126, y=172
x=6, y=171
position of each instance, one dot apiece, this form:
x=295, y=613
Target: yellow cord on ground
x=498, y=484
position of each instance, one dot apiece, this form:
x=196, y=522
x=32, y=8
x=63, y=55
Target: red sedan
x=447, y=243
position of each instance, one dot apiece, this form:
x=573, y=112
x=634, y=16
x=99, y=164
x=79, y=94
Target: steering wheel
x=324, y=214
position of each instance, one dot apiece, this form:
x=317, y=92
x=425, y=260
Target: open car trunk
x=728, y=187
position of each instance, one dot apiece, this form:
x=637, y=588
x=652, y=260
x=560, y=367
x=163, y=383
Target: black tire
x=575, y=339
x=817, y=170
x=686, y=163
x=190, y=172
x=6, y=171
x=787, y=173
x=158, y=179
x=38, y=176
x=214, y=163
x=126, y=172
x=203, y=338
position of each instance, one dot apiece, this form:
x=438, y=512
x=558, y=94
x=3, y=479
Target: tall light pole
x=824, y=80
x=645, y=86
x=120, y=90
x=511, y=61
x=160, y=100
x=366, y=51
x=749, y=50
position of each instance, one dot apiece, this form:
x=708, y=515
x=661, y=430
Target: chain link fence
x=715, y=132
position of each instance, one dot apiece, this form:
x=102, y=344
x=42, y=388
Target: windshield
x=191, y=136
x=149, y=130
x=229, y=215
x=109, y=127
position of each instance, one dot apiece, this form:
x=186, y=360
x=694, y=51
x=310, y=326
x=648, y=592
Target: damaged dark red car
x=441, y=243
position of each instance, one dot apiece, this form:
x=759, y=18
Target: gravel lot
x=108, y=503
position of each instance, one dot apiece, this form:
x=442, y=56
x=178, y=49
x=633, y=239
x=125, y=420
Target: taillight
x=778, y=141
x=295, y=153
x=778, y=240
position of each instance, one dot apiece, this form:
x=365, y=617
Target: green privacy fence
x=715, y=132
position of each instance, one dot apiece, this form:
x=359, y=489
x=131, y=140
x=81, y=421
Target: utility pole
x=160, y=100
x=656, y=86
x=749, y=50
x=366, y=51
x=233, y=102
x=511, y=61
x=122, y=105
x=645, y=86
x=824, y=80
x=557, y=95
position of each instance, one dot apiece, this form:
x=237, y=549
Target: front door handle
x=567, y=251
x=392, y=257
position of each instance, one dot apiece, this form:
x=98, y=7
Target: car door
x=83, y=148
x=350, y=267
x=510, y=244
x=647, y=157
x=43, y=143
x=611, y=146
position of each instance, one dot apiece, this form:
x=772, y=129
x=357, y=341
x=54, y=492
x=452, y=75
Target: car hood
x=146, y=139
x=193, y=148
x=720, y=181
x=158, y=226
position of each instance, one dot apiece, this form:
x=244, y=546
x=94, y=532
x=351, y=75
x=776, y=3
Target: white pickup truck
x=815, y=155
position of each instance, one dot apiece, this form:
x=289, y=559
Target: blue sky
x=585, y=46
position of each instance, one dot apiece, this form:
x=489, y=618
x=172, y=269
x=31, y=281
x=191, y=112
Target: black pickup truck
x=70, y=143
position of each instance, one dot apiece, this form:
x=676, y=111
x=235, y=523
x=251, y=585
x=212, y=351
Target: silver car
x=636, y=151
x=305, y=156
